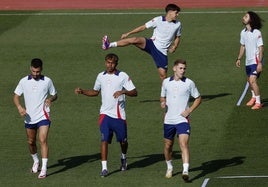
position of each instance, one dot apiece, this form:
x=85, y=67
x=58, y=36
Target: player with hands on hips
x=175, y=94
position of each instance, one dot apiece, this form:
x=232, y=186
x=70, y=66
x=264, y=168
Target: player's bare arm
x=195, y=104
x=131, y=93
x=259, y=67
x=136, y=30
x=163, y=102
x=89, y=93
x=175, y=45
x=51, y=99
x=21, y=110
x=241, y=53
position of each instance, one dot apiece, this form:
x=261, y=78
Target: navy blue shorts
x=252, y=70
x=37, y=125
x=109, y=126
x=160, y=60
x=171, y=130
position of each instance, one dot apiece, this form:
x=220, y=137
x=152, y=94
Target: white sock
x=35, y=157
x=44, y=164
x=104, y=164
x=123, y=156
x=169, y=164
x=253, y=94
x=113, y=44
x=258, y=99
x=186, y=167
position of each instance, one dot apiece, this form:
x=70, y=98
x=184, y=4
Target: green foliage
x=226, y=140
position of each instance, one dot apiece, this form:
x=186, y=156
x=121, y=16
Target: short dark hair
x=112, y=56
x=37, y=63
x=255, y=20
x=179, y=61
x=172, y=7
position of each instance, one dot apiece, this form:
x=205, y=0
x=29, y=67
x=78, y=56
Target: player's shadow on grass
x=72, y=162
x=204, y=98
x=265, y=102
x=147, y=160
x=209, y=97
x=215, y=165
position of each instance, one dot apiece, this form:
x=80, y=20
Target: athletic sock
x=186, y=167
x=35, y=157
x=169, y=164
x=44, y=164
x=258, y=99
x=253, y=94
x=123, y=156
x=113, y=44
x=104, y=164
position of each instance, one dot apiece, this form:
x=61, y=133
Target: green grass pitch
x=226, y=140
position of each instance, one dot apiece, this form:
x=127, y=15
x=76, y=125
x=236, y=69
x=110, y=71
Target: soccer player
x=35, y=89
x=175, y=93
x=114, y=85
x=167, y=29
x=252, y=43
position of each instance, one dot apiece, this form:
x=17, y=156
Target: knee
x=183, y=146
x=31, y=142
x=168, y=144
x=134, y=40
x=43, y=141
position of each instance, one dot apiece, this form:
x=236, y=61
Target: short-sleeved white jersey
x=252, y=40
x=164, y=32
x=108, y=84
x=35, y=93
x=177, y=94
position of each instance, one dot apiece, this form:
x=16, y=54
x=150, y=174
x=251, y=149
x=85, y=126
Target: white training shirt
x=35, y=93
x=252, y=40
x=108, y=84
x=164, y=32
x=177, y=94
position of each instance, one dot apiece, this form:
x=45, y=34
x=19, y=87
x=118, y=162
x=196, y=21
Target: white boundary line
x=115, y=13
x=204, y=184
x=237, y=177
x=243, y=94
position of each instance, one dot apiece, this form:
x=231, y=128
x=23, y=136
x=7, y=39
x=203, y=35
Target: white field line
x=237, y=177
x=115, y=13
x=243, y=94
x=204, y=184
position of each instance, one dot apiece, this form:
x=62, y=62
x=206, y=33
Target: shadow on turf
x=72, y=162
x=215, y=165
x=147, y=160
x=265, y=102
x=204, y=98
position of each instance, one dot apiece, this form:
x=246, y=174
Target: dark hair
x=255, y=20
x=37, y=63
x=179, y=61
x=112, y=56
x=172, y=7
